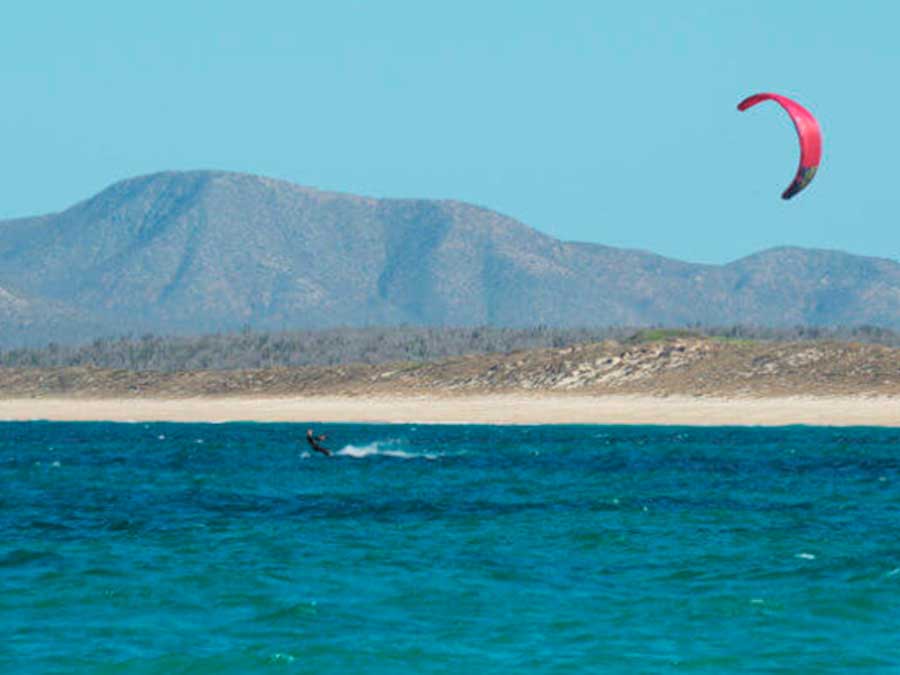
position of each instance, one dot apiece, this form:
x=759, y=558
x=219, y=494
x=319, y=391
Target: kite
x=807, y=131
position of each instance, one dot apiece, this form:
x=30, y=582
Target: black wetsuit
x=315, y=445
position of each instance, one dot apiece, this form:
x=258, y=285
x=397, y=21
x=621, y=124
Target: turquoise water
x=439, y=549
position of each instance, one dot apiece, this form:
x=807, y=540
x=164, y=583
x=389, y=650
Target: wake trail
x=378, y=449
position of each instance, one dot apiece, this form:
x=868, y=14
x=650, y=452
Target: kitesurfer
x=315, y=442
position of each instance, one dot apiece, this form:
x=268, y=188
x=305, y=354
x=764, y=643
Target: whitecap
x=805, y=556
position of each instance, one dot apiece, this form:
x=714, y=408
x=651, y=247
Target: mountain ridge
x=187, y=252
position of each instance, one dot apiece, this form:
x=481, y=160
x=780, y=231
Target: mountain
x=210, y=251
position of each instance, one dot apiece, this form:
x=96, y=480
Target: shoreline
x=501, y=409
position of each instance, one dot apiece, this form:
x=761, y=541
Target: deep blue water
x=448, y=549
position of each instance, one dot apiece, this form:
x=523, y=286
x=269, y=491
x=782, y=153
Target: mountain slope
x=201, y=251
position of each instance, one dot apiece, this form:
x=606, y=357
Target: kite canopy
x=807, y=131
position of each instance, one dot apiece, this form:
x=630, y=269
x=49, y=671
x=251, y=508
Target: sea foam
x=380, y=449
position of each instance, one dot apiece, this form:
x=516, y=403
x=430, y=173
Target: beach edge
x=498, y=409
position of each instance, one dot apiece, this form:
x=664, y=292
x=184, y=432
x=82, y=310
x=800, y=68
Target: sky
x=613, y=123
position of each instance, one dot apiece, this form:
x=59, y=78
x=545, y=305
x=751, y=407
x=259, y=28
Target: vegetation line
x=249, y=349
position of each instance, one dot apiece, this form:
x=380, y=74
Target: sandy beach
x=480, y=409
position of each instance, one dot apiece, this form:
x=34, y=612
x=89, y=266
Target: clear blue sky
x=606, y=122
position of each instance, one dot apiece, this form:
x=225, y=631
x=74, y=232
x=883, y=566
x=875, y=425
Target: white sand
x=489, y=409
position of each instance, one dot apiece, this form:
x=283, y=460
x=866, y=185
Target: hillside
x=183, y=253
x=679, y=366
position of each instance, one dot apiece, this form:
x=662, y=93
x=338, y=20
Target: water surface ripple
x=447, y=549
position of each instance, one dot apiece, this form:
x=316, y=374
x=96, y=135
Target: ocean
x=228, y=548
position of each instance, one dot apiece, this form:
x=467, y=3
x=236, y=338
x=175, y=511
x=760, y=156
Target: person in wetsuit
x=315, y=443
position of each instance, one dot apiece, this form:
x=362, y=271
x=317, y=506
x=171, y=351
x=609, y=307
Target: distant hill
x=182, y=253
